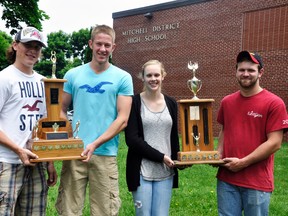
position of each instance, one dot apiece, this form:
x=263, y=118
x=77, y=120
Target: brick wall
x=211, y=33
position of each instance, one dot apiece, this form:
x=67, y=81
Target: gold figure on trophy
x=53, y=59
x=197, y=137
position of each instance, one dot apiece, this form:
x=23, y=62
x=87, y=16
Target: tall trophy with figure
x=196, y=126
x=53, y=138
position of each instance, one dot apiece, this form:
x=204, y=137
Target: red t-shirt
x=246, y=122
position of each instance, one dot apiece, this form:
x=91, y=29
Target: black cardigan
x=138, y=148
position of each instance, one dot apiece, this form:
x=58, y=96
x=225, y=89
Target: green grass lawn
x=196, y=194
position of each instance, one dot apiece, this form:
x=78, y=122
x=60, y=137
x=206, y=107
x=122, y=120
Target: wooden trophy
x=53, y=138
x=196, y=127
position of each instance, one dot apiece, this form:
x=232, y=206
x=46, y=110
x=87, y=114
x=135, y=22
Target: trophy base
x=51, y=150
x=58, y=158
x=202, y=157
x=185, y=163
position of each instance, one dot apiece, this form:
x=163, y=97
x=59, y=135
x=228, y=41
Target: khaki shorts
x=101, y=172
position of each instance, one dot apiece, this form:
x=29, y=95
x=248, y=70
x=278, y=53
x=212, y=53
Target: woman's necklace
x=157, y=114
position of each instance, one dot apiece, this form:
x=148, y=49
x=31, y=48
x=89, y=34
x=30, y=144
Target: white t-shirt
x=22, y=103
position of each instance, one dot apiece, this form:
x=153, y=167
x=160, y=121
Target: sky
x=73, y=15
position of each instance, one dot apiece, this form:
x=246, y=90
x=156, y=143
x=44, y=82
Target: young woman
x=152, y=138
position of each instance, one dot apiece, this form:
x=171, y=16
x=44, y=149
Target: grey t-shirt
x=157, y=128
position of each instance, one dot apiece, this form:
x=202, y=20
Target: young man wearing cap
x=253, y=120
x=23, y=188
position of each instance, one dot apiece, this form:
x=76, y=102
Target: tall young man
x=101, y=95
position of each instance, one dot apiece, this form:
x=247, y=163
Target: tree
x=58, y=42
x=6, y=40
x=71, y=51
x=79, y=43
x=15, y=12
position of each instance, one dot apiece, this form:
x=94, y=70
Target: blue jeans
x=232, y=200
x=152, y=198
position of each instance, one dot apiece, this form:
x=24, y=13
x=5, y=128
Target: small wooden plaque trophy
x=53, y=138
x=196, y=127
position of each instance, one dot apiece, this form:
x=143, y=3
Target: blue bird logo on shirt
x=95, y=89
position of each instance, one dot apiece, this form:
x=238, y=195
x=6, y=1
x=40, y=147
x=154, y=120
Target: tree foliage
x=79, y=42
x=6, y=40
x=71, y=49
x=22, y=11
x=57, y=42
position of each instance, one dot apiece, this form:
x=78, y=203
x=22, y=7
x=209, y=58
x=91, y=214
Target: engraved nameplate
x=54, y=92
x=194, y=113
x=50, y=124
x=56, y=135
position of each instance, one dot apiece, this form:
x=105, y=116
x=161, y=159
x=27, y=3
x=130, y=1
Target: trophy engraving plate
x=194, y=113
x=197, y=156
x=58, y=135
x=54, y=92
x=50, y=124
x=192, y=157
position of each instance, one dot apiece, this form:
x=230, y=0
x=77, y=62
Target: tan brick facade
x=210, y=32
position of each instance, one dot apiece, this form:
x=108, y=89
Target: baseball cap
x=30, y=34
x=254, y=57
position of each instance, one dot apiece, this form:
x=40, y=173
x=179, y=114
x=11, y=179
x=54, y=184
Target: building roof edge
x=157, y=7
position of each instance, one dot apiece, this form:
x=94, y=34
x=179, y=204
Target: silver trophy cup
x=194, y=84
